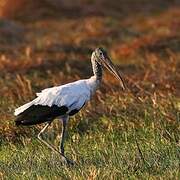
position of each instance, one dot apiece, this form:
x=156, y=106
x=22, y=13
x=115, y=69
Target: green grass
x=100, y=153
x=111, y=157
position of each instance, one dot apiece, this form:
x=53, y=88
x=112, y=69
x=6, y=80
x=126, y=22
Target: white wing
x=72, y=95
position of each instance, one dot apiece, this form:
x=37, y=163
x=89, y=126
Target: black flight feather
x=37, y=114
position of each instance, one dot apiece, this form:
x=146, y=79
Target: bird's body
x=57, y=101
x=65, y=100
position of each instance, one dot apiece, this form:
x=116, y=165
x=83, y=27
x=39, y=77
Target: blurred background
x=49, y=42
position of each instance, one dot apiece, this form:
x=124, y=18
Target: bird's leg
x=47, y=144
x=63, y=133
x=64, y=122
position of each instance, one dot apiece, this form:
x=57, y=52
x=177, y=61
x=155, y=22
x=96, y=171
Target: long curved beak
x=110, y=66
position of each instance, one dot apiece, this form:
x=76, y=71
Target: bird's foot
x=67, y=161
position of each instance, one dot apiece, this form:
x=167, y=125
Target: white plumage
x=72, y=95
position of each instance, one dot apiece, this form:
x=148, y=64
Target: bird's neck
x=95, y=81
x=97, y=70
x=93, y=84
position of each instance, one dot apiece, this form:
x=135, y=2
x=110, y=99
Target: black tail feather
x=37, y=114
x=18, y=123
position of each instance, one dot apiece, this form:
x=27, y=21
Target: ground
x=119, y=135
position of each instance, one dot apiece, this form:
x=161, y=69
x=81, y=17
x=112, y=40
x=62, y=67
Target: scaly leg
x=64, y=123
x=44, y=142
x=61, y=152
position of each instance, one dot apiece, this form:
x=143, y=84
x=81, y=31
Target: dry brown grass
x=146, y=49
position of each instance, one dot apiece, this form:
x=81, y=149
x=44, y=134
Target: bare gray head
x=100, y=58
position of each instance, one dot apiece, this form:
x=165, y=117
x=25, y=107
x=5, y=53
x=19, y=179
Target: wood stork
x=66, y=100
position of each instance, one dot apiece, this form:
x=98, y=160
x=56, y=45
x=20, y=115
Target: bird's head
x=100, y=55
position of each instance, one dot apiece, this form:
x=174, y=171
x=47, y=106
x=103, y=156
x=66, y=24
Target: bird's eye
x=101, y=54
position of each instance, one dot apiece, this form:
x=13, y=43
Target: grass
x=134, y=153
x=139, y=146
x=99, y=155
x=119, y=135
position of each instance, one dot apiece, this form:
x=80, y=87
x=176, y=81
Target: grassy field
x=118, y=135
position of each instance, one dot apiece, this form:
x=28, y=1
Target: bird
x=62, y=102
